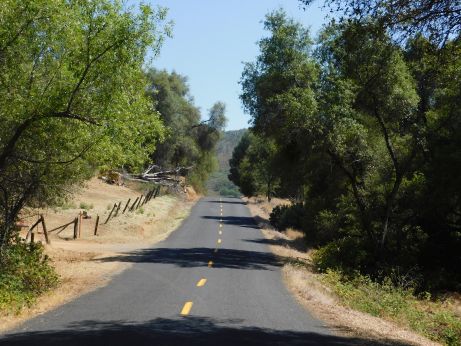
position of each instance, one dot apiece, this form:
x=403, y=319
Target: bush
x=287, y=216
x=430, y=318
x=229, y=192
x=343, y=254
x=86, y=206
x=25, y=273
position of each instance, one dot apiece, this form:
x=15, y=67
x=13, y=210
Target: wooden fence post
x=75, y=227
x=96, y=226
x=45, y=232
x=151, y=194
x=110, y=214
x=118, y=208
x=79, y=224
x=157, y=191
x=139, y=203
x=148, y=197
x=32, y=228
x=32, y=236
x=134, y=203
x=126, y=206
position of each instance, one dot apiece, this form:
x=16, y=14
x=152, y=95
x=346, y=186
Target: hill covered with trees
x=219, y=181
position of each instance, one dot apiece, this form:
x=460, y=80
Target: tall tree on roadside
x=189, y=142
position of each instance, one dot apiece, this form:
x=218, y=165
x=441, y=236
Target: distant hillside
x=218, y=182
x=226, y=146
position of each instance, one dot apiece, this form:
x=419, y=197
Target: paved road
x=212, y=282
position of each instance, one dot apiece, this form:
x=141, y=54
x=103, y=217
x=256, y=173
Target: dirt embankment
x=303, y=283
x=78, y=262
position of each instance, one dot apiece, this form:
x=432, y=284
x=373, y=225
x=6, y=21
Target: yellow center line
x=186, y=308
x=201, y=282
x=219, y=241
x=210, y=264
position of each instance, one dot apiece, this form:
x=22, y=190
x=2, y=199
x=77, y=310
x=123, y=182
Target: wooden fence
x=77, y=221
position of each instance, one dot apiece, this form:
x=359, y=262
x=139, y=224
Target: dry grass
x=74, y=260
x=305, y=285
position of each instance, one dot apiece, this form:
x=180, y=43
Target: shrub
x=86, y=206
x=65, y=204
x=25, y=273
x=345, y=254
x=430, y=318
x=287, y=216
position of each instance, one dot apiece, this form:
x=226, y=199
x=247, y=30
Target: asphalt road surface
x=212, y=282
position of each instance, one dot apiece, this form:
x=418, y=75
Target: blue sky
x=211, y=39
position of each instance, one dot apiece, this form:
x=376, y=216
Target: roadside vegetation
x=189, y=141
x=359, y=129
x=25, y=274
x=432, y=318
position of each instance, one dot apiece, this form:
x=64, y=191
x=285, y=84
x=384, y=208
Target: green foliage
x=226, y=146
x=86, y=206
x=189, y=141
x=253, y=166
x=72, y=96
x=65, y=204
x=432, y=319
x=287, y=216
x=206, y=163
x=219, y=183
x=344, y=254
x=363, y=132
x=25, y=273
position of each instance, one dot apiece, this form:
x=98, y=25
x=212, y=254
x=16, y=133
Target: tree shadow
x=237, y=201
x=199, y=257
x=299, y=244
x=240, y=221
x=162, y=331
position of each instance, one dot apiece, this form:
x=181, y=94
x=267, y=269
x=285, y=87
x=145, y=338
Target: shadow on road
x=199, y=257
x=241, y=221
x=237, y=201
x=160, y=331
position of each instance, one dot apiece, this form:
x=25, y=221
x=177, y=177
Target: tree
x=189, y=141
x=438, y=20
x=254, y=166
x=277, y=89
x=72, y=96
x=170, y=96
